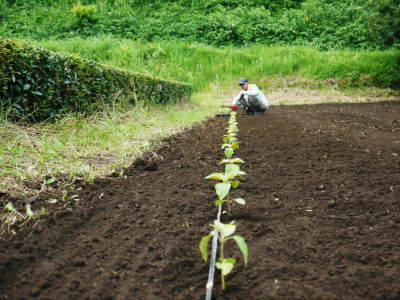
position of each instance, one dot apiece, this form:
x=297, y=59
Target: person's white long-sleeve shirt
x=253, y=91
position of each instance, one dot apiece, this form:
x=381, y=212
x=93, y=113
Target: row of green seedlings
x=227, y=180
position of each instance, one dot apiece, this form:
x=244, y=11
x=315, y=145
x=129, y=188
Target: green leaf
x=237, y=160
x=226, y=265
x=203, y=246
x=242, y=246
x=26, y=86
x=216, y=176
x=232, y=140
x=9, y=207
x=51, y=180
x=234, y=145
x=222, y=190
x=228, y=152
x=233, y=175
x=232, y=161
x=240, y=201
x=219, y=202
x=225, y=230
x=231, y=168
x=230, y=260
x=235, y=184
x=28, y=210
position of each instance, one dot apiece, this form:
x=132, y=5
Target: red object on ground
x=234, y=107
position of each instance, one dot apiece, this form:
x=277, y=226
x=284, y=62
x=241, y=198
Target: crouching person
x=250, y=98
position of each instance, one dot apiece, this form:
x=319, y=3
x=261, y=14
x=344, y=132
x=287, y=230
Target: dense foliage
x=326, y=24
x=38, y=84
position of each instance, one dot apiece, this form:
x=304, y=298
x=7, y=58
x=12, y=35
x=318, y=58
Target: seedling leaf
x=203, y=245
x=228, y=152
x=242, y=246
x=235, y=184
x=216, y=176
x=226, y=266
x=222, y=190
x=234, y=145
x=225, y=230
x=218, y=202
x=232, y=140
x=232, y=161
x=240, y=201
x=231, y=168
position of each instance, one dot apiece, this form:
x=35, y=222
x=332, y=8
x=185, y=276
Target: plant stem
x=222, y=259
x=222, y=281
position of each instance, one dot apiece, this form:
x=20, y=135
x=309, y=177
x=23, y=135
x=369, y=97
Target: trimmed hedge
x=38, y=84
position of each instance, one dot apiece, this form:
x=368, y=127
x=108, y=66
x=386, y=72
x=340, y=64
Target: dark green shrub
x=39, y=84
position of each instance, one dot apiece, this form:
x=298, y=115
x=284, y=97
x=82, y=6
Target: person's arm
x=236, y=99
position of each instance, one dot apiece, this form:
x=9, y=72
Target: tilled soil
x=322, y=218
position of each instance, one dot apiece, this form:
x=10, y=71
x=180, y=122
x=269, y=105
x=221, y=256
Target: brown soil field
x=322, y=218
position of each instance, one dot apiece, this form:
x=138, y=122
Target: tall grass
x=203, y=65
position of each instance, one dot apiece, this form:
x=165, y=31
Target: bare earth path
x=322, y=218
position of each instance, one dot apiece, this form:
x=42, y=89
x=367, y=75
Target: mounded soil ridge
x=322, y=216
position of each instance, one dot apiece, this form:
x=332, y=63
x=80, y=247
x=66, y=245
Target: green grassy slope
x=202, y=65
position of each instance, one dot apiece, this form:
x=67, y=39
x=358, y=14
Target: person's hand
x=234, y=107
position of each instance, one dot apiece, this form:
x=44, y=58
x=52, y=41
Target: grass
x=201, y=65
x=76, y=147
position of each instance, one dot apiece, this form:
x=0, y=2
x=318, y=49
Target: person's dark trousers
x=252, y=105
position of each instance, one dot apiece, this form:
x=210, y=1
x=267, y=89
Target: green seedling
x=229, y=179
x=232, y=171
x=222, y=189
x=236, y=160
x=232, y=129
x=225, y=233
x=230, y=138
x=228, y=152
x=234, y=146
x=240, y=201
